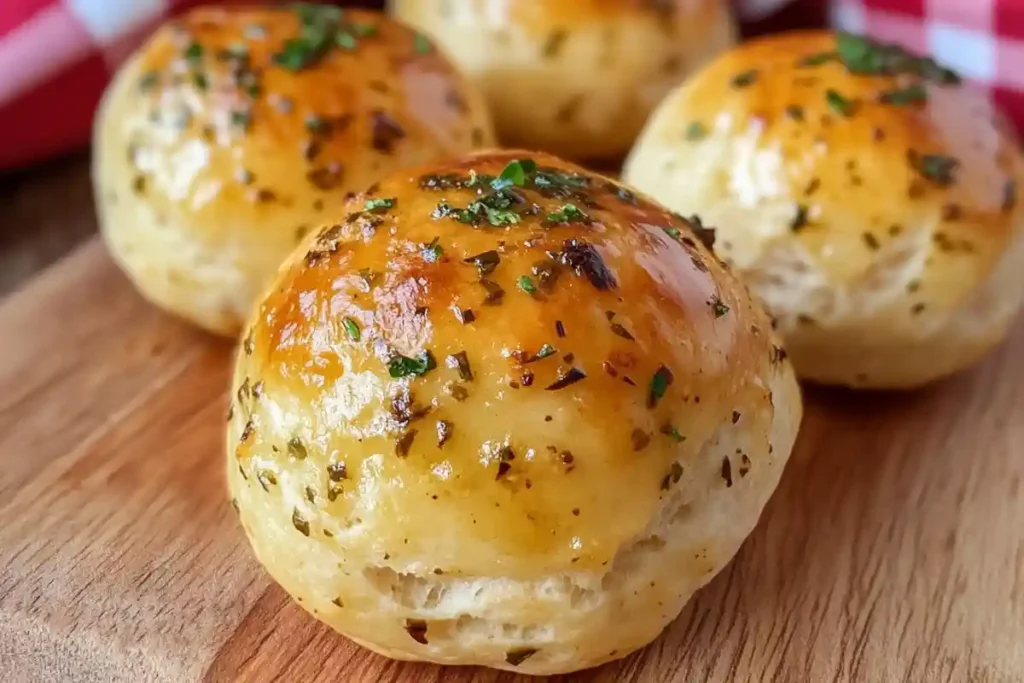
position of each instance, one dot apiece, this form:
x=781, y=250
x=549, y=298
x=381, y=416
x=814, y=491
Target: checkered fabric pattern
x=56, y=56
x=983, y=40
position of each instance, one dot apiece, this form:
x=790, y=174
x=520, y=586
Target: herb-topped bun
x=505, y=412
x=574, y=77
x=863, y=193
x=232, y=132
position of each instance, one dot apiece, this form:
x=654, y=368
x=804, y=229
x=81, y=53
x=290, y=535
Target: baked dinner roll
x=505, y=412
x=574, y=77
x=234, y=131
x=867, y=196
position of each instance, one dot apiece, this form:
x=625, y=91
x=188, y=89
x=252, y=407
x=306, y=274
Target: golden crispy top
x=865, y=138
x=505, y=351
x=229, y=113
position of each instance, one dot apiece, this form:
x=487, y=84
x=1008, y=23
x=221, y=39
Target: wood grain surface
x=892, y=551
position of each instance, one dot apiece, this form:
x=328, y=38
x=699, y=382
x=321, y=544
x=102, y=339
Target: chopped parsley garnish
x=568, y=214
x=672, y=232
x=817, y=59
x=862, y=55
x=194, y=52
x=696, y=131
x=317, y=124
x=912, y=94
x=516, y=173
x=351, y=328
x=795, y=112
x=485, y=262
x=403, y=366
x=671, y=431
x=937, y=168
x=201, y=81
x=149, y=80
x=840, y=104
x=718, y=307
x=543, y=352
x=494, y=208
x=421, y=44
x=574, y=375
x=379, y=204
x=432, y=252
x=525, y=283
x=345, y=40
x=554, y=183
x=241, y=119
x=659, y=385
x=745, y=78
x=321, y=29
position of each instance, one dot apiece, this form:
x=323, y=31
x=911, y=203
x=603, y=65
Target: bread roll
x=232, y=132
x=864, y=194
x=574, y=77
x=513, y=427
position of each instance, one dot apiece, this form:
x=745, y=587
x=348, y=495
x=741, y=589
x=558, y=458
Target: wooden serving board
x=893, y=550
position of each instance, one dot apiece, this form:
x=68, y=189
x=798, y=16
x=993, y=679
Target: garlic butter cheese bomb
x=574, y=77
x=232, y=132
x=865, y=194
x=505, y=412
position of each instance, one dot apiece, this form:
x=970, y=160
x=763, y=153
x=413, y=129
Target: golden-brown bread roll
x=234, y=131
x=514, y=427
x=574, y=77
x=867, y=196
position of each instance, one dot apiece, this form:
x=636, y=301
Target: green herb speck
x=351, y=328
x=403, y=366
x=380, y=204
x=696, y=131
x=839, y=104
x=526, y=284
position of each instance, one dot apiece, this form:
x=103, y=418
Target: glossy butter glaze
x=230, y=131
x=874, y=212
x=582, y=464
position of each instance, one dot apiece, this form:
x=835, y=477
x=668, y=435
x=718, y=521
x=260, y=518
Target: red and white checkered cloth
x=56, y=56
